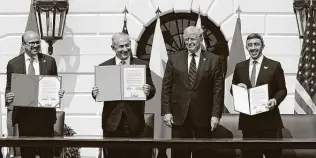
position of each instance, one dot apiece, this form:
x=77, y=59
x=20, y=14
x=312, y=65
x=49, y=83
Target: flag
x=306, y=80
x=236, y=55
x=31, y=24
x=157, y=64
x=199, y=24
x=124, y=30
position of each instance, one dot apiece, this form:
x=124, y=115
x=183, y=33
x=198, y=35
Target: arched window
x=172, y=26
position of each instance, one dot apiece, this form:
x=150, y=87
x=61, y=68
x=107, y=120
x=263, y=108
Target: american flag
x=306, y=76
x=124, y=30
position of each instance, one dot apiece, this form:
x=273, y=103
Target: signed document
x=116, y=82
x=36, y=90
x=48, y=91
x=134, y=79
x=251, y=101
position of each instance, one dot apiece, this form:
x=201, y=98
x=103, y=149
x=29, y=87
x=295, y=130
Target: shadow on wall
x=67, y=55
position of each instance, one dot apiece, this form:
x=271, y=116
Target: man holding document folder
x=32, y=121
x=122, y=117
x=266, y=82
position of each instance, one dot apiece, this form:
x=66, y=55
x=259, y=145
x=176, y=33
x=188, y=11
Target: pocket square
x=265, y=67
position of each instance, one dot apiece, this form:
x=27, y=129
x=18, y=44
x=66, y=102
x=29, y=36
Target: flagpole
x=125, y=11
x=238, y=11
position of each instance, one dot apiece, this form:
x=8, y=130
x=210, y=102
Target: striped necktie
x=192, y=71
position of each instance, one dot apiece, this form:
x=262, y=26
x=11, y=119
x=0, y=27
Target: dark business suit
x=33, y=121
x=117, y=113
x=267, y=124
x=192, y=108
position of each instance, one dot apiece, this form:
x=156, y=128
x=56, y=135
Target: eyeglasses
x=33, y=43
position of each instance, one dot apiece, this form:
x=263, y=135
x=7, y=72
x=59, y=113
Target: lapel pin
x=204, y=59
x=265, y=67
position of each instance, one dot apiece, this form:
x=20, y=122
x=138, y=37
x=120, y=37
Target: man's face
x=254, y=47
x=192, y=41
x=32, y=43
x=122, y=47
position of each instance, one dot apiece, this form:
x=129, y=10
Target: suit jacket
x=206, y=97
x=134, y=109
x=47, y=66
x=270, y=73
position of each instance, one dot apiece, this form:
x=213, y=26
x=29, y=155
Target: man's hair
x=28, y=32
x=255, y=35
x=197, y=29
x=117, y=35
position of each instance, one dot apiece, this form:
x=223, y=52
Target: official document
x=134, y=79
x=251, y=101
x=117, y=82
x=48, y=91
x=36, y=90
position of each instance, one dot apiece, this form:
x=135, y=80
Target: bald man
x=192, y=93
x=32, y=121
x=117, y=114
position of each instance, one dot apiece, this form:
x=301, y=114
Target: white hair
x=196, y=29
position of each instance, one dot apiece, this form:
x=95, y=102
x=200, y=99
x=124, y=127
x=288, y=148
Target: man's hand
x=146, y=89
x=9, y=97
x=61, y=93
x=168, y=119
x=95, y=91
x=271, y=103
x=242, y=85
x=214, y=122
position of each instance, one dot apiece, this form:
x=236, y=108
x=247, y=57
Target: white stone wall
x=91, y=23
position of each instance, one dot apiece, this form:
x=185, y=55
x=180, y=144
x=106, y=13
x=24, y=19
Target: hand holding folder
x=36, y=90
x=251, y=101
x=114, y=82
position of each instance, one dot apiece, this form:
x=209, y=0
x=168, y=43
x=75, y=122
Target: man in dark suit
x=32, y=121
x=256, y=71
x=117, y=114
x=192, y=92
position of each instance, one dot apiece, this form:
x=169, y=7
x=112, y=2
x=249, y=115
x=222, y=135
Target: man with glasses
x=192, y=93
x=32, y=121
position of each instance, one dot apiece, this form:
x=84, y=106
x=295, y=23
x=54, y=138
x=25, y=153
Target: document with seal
x=48, y=88
x=36, y=90
x=118, y=82
x=134, y=79
x=251, y=101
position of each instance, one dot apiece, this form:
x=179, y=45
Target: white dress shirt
x=35, y=64
x=118, y=61
x=197, y=59
x=258, y=65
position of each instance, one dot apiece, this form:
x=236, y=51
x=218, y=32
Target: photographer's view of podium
x=58, y=131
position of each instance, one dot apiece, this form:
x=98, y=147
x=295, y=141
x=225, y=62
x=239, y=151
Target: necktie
x=123, y=62
x=253, y=74
x=31, y=70
x=192, y=70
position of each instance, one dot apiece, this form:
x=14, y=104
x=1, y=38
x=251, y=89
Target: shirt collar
x=197, y=54
x=27, y=57
x=259, y=60
x=118, y=60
